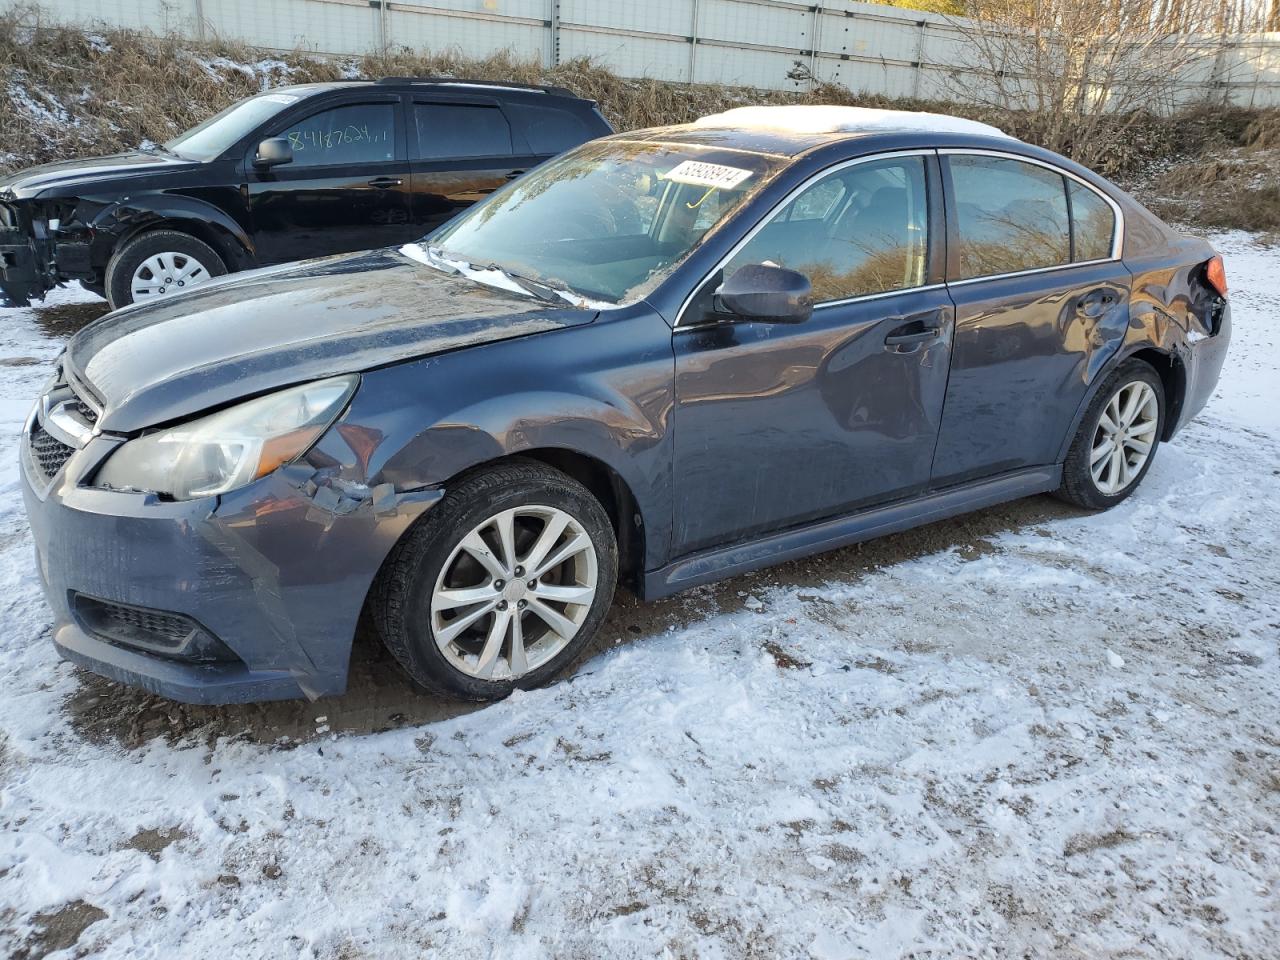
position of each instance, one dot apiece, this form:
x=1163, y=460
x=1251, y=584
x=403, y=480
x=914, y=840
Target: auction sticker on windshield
x=708, y=174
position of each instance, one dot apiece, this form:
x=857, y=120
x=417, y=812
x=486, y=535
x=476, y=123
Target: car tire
x=1097, y=476
x=131, y=257
x=434, y=584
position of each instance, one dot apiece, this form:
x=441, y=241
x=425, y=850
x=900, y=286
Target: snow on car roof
x=824, y=119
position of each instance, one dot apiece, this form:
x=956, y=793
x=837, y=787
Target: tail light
x=1216, y=274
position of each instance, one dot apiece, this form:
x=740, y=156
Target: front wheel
x=1117, y=439
x=500, y=586
x=157, y=264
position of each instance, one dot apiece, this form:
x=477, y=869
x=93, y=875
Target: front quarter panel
x=602, y=390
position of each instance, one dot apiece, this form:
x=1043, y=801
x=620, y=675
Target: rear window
x=1094, y=223
x=453, y=131
x=1010, y=216
x=549, y=130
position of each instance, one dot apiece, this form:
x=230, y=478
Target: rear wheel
x=157, y=264
x=501, y=586
x=1117, y=439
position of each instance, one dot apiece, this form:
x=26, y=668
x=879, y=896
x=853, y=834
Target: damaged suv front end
x=36, y=250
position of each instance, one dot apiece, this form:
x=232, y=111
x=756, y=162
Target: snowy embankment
x=1056, y=740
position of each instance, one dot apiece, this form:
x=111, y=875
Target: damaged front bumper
x=251, y=596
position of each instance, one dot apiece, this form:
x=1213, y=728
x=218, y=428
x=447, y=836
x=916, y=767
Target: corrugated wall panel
x=871, y=47
x=322, y=27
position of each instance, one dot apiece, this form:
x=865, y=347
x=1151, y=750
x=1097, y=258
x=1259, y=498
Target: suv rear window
x=552, y=131
x=452, y=131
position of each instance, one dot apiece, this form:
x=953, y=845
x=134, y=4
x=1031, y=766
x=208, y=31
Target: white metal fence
x=866, y=47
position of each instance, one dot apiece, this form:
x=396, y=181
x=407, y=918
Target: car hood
x=258, y=331
x=93, y=170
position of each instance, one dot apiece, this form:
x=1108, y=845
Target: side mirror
x=273, y=152
x=764, y=292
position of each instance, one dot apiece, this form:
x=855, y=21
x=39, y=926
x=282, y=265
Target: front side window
x=453, y=131
x=1093, y=223
x=859, y=231
x=356, y=133
x=609, y=220
x=1010, y=216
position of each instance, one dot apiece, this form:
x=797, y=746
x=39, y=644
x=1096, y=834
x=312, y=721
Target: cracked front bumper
x=269, y=571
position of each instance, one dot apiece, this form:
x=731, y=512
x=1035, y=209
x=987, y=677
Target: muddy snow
x=1027, y=732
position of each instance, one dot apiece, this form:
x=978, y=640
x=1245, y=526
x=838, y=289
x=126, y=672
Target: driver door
x=780, y=424
x=346, y=188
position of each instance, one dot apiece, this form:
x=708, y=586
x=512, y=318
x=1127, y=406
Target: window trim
x=1117, y=237
x=924, y=152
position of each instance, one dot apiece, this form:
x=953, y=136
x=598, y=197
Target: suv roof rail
x=496, y=84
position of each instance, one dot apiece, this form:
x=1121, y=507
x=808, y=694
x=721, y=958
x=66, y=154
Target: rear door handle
x=382, y=183
x=514, y=174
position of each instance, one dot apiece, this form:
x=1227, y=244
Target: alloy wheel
x=1124, y=437
x=514, y=592
x=164, y=273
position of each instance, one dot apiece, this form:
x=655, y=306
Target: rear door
x=347, y=187
x=1041, y=304
x=780, y=424
x=461, y=150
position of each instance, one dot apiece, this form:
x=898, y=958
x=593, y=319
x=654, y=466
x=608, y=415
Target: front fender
x=125, y=218
x=601, y=391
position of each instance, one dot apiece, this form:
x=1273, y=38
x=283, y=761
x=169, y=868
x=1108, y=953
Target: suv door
x=775, y=424
x=345, y=189
x=461, y=150
x=1041, y=304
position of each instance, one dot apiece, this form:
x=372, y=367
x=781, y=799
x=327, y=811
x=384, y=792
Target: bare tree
x=1085, y=71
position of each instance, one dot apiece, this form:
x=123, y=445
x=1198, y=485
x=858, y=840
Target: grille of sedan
x=48, y=453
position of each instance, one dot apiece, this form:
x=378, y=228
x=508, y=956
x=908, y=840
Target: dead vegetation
x=77, y=93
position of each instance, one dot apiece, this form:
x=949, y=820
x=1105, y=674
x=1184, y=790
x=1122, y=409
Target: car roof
x=790, y=131
x=496, y=87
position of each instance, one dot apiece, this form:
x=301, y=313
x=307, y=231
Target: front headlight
x=229, y=449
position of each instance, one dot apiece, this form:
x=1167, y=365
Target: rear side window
x=859, y=231
x=1010, y=216
x=453, y=131
x=552, y=131
x=356, y=133
x=1093, y=221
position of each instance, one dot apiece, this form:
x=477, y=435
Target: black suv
x=296, y=172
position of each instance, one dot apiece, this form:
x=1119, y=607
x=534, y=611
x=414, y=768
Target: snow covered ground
x=1030, y=732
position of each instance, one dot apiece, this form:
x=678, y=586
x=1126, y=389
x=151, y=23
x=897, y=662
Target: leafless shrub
x=1088, y=74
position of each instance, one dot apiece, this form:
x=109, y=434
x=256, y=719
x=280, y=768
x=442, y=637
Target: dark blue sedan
x=666, y=357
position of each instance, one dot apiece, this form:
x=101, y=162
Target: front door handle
x=514, y=174
x=914, y=331
x=382, y=183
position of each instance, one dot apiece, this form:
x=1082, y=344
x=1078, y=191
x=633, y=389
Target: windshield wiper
x=548, y=292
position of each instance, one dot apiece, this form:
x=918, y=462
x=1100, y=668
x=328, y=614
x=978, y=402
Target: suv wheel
x=157, y=264
x=500, y=586
x=1117, y=439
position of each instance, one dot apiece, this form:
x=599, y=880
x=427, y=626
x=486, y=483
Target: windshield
x=212, y=138
x=608, y=220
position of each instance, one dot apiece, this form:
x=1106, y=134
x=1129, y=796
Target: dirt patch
x=58, y=321
x=59, y=929
x=153, y=841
